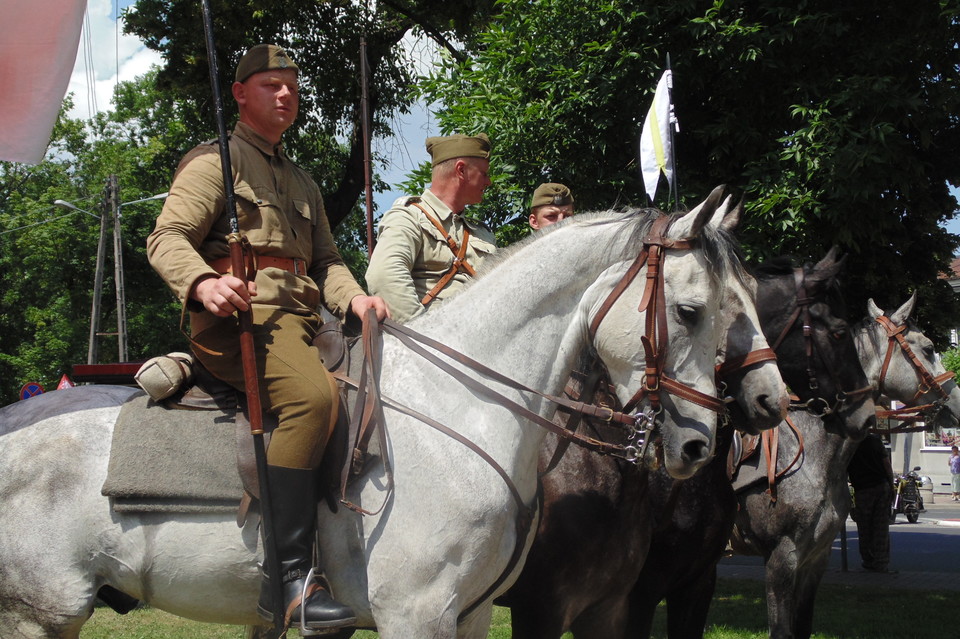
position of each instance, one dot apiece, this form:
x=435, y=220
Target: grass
x=738, y=612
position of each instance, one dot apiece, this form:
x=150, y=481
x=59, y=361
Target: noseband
x=816, y=405
x=912, y=411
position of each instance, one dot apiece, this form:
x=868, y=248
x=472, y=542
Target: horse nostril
x=695, y=451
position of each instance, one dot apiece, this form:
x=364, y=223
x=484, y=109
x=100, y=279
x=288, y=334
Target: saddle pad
x=166, y=460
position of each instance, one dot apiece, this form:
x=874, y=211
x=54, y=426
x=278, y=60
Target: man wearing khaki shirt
x=426, y=250
x=281, y=214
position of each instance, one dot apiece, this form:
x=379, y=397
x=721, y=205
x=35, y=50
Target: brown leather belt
x=295, y=265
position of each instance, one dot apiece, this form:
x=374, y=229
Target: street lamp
x=113, y=208
x=67, y=205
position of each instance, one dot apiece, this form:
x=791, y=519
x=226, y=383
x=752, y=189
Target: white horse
x=448, y=529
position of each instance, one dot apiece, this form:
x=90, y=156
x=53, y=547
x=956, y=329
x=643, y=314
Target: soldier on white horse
x=282, y=217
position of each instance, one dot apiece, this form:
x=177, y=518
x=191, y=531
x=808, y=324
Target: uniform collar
x=246, y=133
x=442, y=210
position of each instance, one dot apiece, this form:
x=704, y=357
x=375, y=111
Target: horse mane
x=774, y=267
x=720, y=248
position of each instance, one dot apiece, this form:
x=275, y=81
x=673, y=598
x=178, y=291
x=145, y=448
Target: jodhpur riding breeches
x=294, y=384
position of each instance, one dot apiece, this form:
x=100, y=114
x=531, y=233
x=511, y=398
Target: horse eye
x=687, y=313
x=838, y=335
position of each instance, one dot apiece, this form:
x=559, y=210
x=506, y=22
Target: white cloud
x=114, y=58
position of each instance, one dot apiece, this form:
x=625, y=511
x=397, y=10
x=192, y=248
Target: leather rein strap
x=459, y=257
x=368, y=416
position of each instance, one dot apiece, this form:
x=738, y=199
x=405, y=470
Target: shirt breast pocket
x=436, y=254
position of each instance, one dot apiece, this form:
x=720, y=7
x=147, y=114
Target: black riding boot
x=294, y=506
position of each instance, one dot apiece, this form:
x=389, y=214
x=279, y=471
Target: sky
x=116, y=57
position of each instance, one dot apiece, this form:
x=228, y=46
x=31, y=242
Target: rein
x=368, y=413
x=911, y=412
x=368, y=416
x=816, y=405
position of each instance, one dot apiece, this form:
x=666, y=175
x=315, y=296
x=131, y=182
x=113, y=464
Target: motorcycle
x=906, y=496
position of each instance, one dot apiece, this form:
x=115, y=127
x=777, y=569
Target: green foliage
x=951, y=361
x=837, y=122
x=48, y=253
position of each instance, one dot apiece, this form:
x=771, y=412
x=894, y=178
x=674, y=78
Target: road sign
x=30, y=389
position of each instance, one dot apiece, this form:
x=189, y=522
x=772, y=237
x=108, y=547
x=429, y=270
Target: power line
x=52, y=219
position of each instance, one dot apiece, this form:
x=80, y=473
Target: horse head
x=746, y=365
x=663, y=358
x=802, y=313
x=902, y=365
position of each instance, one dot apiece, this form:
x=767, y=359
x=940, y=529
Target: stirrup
x=304, y=630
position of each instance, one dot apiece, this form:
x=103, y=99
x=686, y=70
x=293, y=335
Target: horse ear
x=900, y=317
x=826, y=269
x=692, y=222
x=873, y=311
x=731, y=214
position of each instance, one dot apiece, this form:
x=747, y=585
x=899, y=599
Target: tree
x=838, y=122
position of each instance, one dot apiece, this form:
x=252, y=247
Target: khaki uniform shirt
x=280, y=212
x=412, y=255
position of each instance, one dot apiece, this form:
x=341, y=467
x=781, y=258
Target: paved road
x=925, y=555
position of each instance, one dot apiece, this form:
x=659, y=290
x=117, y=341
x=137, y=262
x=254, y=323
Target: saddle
x=222, y=404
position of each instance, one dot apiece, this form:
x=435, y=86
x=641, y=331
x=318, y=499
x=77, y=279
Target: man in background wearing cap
x=551, y=203
x=281, y=214
x=426, y=250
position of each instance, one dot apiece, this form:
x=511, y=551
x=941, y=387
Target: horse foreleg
x=644, y=599
x=604, y=620
x=19, y=621
x=688, y=605
x=808, y=582
x=781, y=575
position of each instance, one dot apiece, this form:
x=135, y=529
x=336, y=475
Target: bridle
x=816, y=405
x=912, y=411
x=655, y=336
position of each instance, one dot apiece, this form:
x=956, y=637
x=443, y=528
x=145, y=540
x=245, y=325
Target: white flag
x=656, y=147
x=38, y=48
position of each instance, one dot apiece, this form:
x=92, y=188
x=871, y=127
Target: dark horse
x=599, y=515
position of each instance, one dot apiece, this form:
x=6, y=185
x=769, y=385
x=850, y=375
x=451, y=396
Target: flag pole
x=245, y=321
x=674, y=128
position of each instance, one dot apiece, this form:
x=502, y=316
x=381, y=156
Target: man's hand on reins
x=360, y=304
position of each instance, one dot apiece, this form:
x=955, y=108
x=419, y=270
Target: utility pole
x=93, y=348
x=113, y=202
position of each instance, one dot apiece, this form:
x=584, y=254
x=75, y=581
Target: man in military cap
x=426, y=249
x=551, y=203
x=281, y=214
